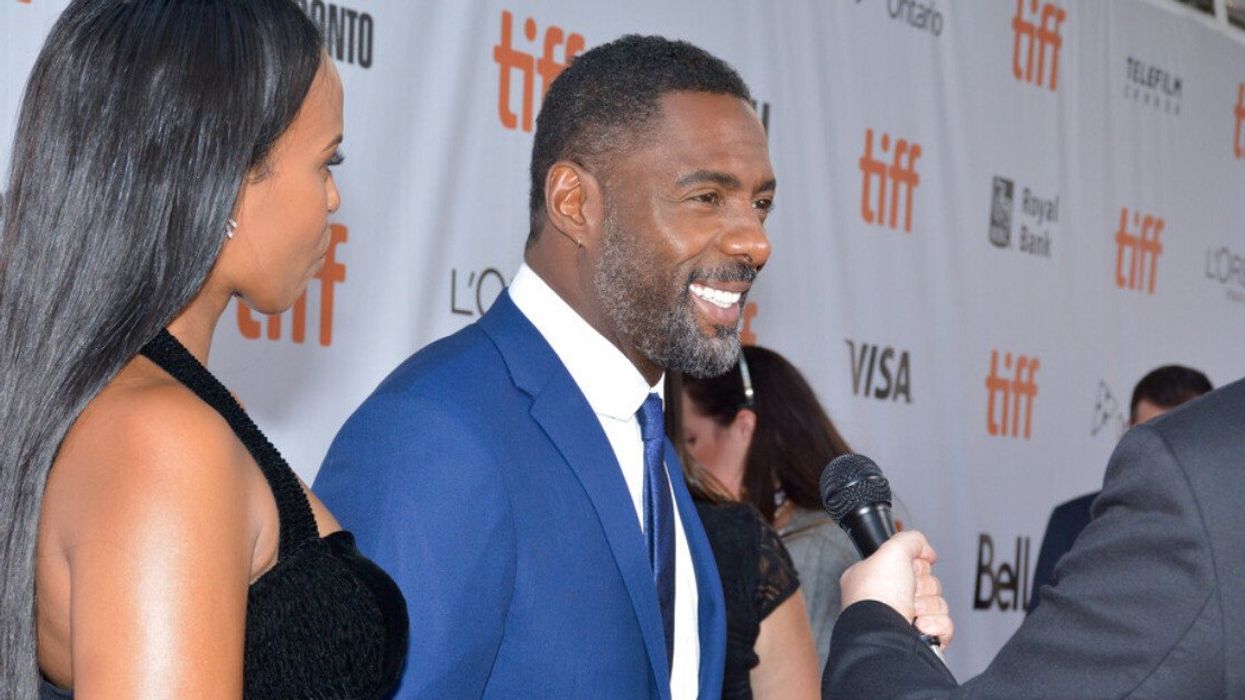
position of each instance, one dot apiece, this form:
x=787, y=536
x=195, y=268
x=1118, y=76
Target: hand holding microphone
x=896, y=569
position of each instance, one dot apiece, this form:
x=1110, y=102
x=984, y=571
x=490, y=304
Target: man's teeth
x=717, y=297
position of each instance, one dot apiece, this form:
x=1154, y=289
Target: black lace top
x=757, y=576
x=324, y=622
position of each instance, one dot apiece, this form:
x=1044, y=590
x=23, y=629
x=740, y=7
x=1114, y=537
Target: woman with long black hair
x=170, y=155
x=758, y=434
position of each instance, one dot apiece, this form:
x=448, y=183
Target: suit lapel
x=561, y=410
x=711, y=611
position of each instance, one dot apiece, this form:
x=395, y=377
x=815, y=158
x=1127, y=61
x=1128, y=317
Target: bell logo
x=1004, y=393
x=510, y=59
x=901, y=174
x=1238, y=143
x=1142, y=247
x=332, y=273
x=1033, y=42
x=1006, y=586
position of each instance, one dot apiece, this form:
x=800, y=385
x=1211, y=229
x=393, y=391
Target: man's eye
x=708, y=198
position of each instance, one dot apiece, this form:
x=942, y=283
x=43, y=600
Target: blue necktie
x=658, y=513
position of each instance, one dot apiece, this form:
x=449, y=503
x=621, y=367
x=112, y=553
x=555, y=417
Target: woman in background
x=769, y=645
x=763, y=438
x=170, y=155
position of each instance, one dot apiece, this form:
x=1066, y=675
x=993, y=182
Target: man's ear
x=573, y=202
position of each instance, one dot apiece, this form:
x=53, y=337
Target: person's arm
x=1134, y=612
x=426, y=499
x=157, y=534
x=786, y=657
x=788, y=660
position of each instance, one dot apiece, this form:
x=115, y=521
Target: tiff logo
x=1039, y=37
x=747, y=335
x=1005, y=391
x=1238, y=144
x=901, y=174
x=333, y=272
x=510, y=59
x=1141, y=247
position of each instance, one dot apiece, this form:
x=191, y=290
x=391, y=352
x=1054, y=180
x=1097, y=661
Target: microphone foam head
x=850, y=482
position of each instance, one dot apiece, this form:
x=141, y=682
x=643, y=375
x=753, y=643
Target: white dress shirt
x=615, y=389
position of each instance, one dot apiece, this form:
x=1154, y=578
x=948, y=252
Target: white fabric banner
x=992, y=219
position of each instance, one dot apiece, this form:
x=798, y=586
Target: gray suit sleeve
x=1134, y=613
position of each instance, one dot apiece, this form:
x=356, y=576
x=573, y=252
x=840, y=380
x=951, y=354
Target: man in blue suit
x=513, y=477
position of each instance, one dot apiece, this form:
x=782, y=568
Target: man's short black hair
x=1168, y=387
x=614, y=92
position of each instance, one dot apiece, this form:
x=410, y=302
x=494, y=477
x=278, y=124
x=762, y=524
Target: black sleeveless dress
x=324, y=622
x=757, y=576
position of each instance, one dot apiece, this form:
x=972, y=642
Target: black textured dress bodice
x=757, y=576
x=323, y=622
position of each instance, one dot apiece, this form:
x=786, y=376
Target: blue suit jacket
x=478, y=476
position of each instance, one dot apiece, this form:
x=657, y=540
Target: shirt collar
x=612, y=385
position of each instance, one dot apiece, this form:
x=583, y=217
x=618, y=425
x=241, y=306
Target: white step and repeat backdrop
x=993, y=218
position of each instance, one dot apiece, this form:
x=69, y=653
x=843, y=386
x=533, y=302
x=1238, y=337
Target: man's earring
x=231, y=227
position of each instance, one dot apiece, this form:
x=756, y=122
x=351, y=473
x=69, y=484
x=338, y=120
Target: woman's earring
x=231, y=228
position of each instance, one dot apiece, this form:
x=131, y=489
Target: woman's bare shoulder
x=142, y=450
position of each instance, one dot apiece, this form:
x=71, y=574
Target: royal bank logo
x=1038, y=216
x=1107, y=411
x=1152, y=86
x=1036, y=42
x=1004, y=586
x=880, y=372
x=1238, y=136
x=1137, y=251
x=349, y=34
x=1001, y=201
x=553, y=42
x=1226, y=268
x=887, y=188
x=1011, y=389
x=472, y=292
x=331, y=274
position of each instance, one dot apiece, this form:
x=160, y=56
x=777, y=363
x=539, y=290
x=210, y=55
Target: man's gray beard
x=664, y=331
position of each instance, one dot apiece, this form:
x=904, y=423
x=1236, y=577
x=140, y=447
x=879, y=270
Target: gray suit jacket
x=1150, y=602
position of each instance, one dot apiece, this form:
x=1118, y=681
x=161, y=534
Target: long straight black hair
x=138, y=127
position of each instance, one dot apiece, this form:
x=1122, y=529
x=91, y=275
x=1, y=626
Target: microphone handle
x=868, y=527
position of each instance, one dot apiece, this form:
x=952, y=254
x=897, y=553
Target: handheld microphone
x=858, y=498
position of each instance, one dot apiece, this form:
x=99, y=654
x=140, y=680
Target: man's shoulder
x=455, y=361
